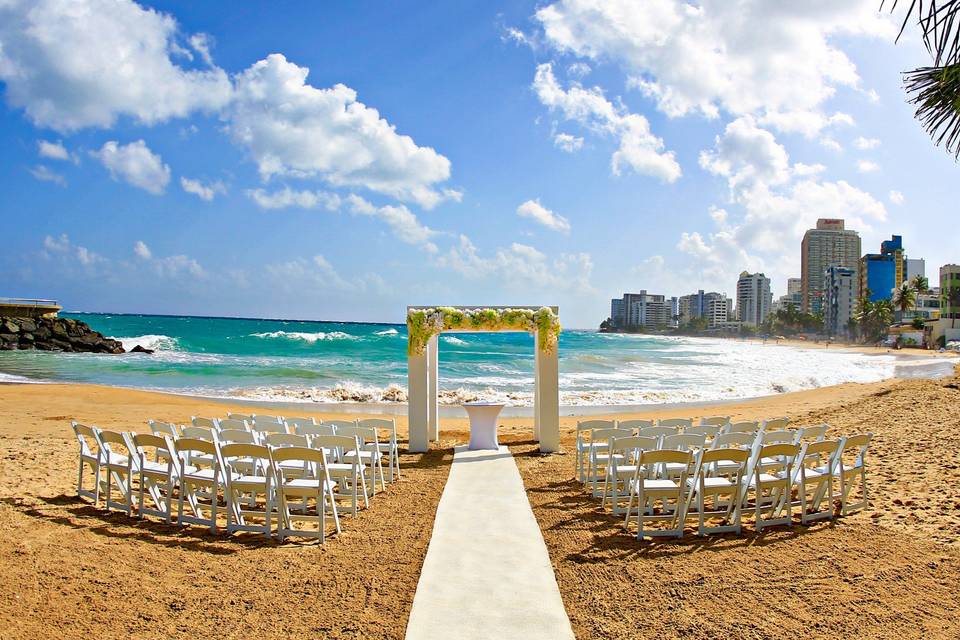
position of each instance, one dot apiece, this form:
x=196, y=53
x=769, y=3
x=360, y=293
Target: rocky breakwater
x=54, y=334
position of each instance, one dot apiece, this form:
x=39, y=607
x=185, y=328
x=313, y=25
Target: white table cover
x=483, y=424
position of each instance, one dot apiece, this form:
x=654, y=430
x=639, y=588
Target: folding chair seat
x=584, y=443
x=89, y=457
x=116, y=458
x=243, y=490
x=658, y=431
x=600, y=456
x=749, y=426
x=317, y=486
x=725, y=490
x=692, y=442
x=157, y=475
x=199, y=479
x=213, y=424
x=679, y=424
x=648, y=486
x=634, y=425
x=164, y=430
x=368, y=453
x=809, y=477
x=714, y=421
x=624, y=461
x=387, y=445
x=348, y=476
x=851, y=466
x=771, y=487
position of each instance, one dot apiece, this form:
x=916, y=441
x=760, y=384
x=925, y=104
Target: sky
x=342, y=160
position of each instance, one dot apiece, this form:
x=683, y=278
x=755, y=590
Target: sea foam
x=306, y=337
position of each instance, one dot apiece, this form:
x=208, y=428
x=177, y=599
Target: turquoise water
x=346, y=362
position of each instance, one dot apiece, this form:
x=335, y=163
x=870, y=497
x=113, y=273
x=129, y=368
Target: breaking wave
x=306, y=337
x=150, y=341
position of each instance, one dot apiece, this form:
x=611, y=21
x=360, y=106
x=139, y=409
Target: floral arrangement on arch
x=423, y=324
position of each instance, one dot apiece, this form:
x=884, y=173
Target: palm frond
x=936, y=93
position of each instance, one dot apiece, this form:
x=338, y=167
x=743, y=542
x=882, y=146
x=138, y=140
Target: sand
x=893, y=570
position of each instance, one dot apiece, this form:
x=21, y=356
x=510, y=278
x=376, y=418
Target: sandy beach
x=891, y=571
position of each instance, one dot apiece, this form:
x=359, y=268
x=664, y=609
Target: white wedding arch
x=425, y=324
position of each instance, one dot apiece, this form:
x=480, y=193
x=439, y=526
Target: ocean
x=330, y=362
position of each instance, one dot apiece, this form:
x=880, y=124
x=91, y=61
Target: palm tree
x=921, y=285
x=951, y=299
x=935, y=90
x=904, y=298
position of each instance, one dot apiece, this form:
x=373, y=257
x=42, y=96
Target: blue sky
x=172, y=158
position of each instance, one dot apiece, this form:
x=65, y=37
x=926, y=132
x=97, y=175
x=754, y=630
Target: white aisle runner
x=487, y=573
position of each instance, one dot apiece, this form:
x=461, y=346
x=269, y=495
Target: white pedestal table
x=483, y=424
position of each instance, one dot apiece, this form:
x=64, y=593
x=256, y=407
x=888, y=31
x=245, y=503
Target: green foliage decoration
x=423, y=324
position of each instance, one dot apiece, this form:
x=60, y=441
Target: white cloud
x=404, y=224
x=639, y=149
x=85, y=63
x=142, y=250
x=65, y=250
x=578, y=70
x=205, y=192
x=520, y=266
x=201, y=43
x=293, y=129
x=45, y=174
x=135, y=164
x=863, y=144
x=52, y=150
x=831, y=144
x=739, y=57
x=896, y=197
x=867, y=166
x=287, y=197
x=537, y=212
x=746, y=154
x=318, y=274
x=567, y=142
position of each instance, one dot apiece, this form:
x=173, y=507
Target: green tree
x=904, y=298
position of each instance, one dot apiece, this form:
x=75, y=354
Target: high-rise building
x=829, y=245
x=618, y=313
x=794, y=286
x=696, y=305
x=840, y=295
x=915, y=267
x=641, y=310
x=881, y=273
x=950, y=291
x=754, y=298
x=719, y=311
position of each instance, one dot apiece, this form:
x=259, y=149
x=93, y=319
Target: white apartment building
x=839, y=299
x=829, y=245
x=754, y=298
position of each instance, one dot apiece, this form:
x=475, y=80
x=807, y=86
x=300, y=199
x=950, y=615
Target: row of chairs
x=250, y=475
x=683, y=472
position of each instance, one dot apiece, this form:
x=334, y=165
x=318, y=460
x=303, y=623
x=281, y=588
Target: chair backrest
x=776, y=437
x=726, y=454
x=243, y=417
x=659, y=457
x=633, y=443
x=269, y=426
x=86, y=436
x=679, y=423
x=716, y=421
x=814, y=453
x=683, y=441
x=229, y=424
x=382, y=425
x=657, y=432
x=749, y=426
x=365, y=435
x=295, y=423
x=259, y=454
x=706, y=430
x=315, y=430
x=163, y=429
x=605, y=435
x=227, y=436
x=108, y=440
x=262, y=416
x=206, y=423
x=782, y=454
x=856, y=447
x=337, y=445
x=634, y=424
x=737, y=439
x=149, y=446
x=285, y=440
x=816, y=433
x=338, y=424
x=185, y=447
x=307, y=456
x=590, y=425
x=776, y=424
x=198, y=433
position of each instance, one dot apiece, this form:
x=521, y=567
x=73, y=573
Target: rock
x=9, y=326
x=28, y=325
x=59, y=330
x=139, y=349
x=8, y=337
x=42, y=333
x=54, y=334
x=26, y=337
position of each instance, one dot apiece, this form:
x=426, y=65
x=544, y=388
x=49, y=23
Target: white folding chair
x=243, y=490
x=317, y=486
x=705, y=430
x=268, y=424
x=198, y=482
x=692, y=442
x=635, y=425
x=295, y=423
x=649, y=487
x=813, y=433
x=771, y=486
x=368, y=453
x=311, y=430
x=116, y=458
x=809, y=477
x=242, y=417
x=735, y=440
x=205, y=423
x=89, y=457
x=658, y=431
x=261, y=416
x=776, y=424
x=584, y=443
x=389, y=444
x=678, y=423
x=854, y=451
x=229, y=424
x=338, y=424
x=725, y=490
x=600, y=456
x=157, y=475
x=748, y=426
x=624, y=455
x=164, y=430
x=346, y=475
x=784, y=436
